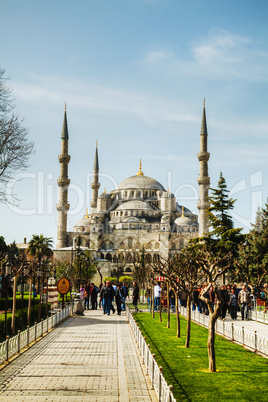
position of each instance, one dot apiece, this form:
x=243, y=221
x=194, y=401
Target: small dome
x=131, y=219
x=134, y=204
x=184, y=221
x=140, y=182
x=104, y=195
x=83, y=222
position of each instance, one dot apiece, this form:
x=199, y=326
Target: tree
x=213, y=265
x=217, y=254
x=141, y=272
x=40, y=247
x=188, y=275
x=252, y=262
x=15, y=148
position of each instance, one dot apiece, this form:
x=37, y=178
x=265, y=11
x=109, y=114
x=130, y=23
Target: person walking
x=225, y=299
x=124, y=296
x=233, y=304
x=108, y=295
x=94, y=293
x=118, y=299
x=157, y=295
x=135, y=295
x=244, y=301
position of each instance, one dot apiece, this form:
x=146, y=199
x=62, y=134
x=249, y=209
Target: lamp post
x=24, y=275
x=7, y=274
x=39, y=274
x=47, y=276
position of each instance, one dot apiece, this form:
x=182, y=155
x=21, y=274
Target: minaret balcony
x=205, y=180
x=64, y=158
x=203, y=156
x=63, y=182
x=63, y=208
x=95, y=186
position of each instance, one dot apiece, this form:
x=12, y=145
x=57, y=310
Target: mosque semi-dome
x=134, y=204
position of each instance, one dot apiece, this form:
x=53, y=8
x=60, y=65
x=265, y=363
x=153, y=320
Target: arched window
x=155, y=258
x=181, y=244
x=128, y=269
x=148, y=258
x=109, y=256
x=128, y=257
x=157, y=246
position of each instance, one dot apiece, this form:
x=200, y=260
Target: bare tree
x=213, y=266
x=15, y=148
x=189, y=276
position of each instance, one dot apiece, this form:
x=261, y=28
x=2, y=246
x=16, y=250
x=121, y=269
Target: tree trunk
x=188, y=331
x=13, y=323
x=153, y=301
x=40, y=299
x=177, y=317
x=29, y=302
x=160, y=308
x=211, y=343
x=168, y=307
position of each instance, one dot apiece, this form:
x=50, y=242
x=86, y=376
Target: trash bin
x=78, y=305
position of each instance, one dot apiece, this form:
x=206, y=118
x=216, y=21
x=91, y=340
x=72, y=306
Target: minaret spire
x=95, y=185
x=203, y=179
x=63, y=183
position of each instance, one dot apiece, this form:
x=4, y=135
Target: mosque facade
x=139, y=215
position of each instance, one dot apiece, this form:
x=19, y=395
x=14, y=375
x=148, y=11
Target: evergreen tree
x=218, y=212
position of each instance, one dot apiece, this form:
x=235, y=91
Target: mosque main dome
x=140, y=182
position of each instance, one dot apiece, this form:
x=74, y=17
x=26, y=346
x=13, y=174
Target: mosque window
x=148, y=258
x=156, y=258
x=109, y=256
x=146, y=194
x=129, y=243
x=132, y=194
x=181, y=244
x=128, y=269
x=157, y=246
x=128, y=257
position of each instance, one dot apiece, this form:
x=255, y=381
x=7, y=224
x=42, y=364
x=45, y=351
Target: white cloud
x=220, y=55
x=103, y=99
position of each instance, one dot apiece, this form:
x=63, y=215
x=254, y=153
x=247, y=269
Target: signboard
x=63, y=285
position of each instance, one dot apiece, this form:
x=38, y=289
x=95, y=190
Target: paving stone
x=91, y=357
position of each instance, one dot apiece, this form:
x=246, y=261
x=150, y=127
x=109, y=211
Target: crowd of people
x=234, y=299
x=108, y=293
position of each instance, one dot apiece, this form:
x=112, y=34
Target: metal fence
x=259, y=316
x=163, y=391
x=258, y=343
x=14, y=345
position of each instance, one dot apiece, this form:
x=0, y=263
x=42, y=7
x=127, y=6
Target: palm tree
x=40, y=247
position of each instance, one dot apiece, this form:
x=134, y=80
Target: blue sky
x=134, y=74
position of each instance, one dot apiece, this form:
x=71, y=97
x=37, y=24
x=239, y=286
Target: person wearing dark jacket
x=108, y=294
x=225, y=299
x=135, y=295
x=94, y=292
x=118, y=299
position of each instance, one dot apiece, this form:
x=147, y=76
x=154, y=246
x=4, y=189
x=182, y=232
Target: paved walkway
x=91, y=357
x=250, y=325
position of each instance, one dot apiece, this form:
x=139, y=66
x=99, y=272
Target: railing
x=163, y=391
x=258, y=343
x=14, y=345
x=259, y=316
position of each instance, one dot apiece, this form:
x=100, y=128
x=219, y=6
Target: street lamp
x=24, y=274
x=7, y=274
x=47, y=276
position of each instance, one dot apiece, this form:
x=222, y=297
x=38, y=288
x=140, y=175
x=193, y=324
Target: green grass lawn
x=241, y=375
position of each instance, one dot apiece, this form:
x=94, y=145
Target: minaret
x=203, y=179
x=95, y=185
x=63, y=183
